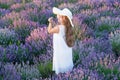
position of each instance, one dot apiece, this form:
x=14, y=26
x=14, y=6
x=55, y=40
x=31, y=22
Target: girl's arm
x=54, y=29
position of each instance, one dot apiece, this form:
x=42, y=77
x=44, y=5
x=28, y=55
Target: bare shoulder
x=56, y=27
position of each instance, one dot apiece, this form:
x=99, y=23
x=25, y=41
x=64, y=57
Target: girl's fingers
x=50, y=19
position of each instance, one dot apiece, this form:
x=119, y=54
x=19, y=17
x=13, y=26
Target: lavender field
x=26, y=47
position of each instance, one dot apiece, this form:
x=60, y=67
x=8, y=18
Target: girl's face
x=60, y=19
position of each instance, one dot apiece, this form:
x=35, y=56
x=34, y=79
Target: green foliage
x=115, y=42
x=104, y=27
x=72, y=1
x=1, y=78
x=4, y=6
x=19, y=9
x=45, y=69
x=116, y=48
x=107, y=24
x=106, y=13
x=26, y=1
x=34, y=18
x=85, y=7
x=85, y=78
x=4, y=59
x=75, y=58
x=43, y=19
x=107, y=72
x=90, y=21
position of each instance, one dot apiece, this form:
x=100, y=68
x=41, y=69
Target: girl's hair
x=68, y=32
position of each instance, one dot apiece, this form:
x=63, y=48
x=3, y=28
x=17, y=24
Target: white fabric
x=62, y=54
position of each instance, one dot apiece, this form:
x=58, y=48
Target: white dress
x=62, y=54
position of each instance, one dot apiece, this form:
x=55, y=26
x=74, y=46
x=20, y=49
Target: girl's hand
x=50, y=19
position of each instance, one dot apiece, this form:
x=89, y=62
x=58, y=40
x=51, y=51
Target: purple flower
x=39, y=41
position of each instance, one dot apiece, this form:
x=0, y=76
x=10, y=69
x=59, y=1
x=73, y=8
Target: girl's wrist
x=50, y=21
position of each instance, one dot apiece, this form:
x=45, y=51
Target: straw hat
x=64, y=12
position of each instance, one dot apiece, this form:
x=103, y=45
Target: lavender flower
x=28, y=71
x=18, y=54
x=23, y=28
x=17, y=7
x=26, y=47
x=7, y=37
x=39, y=41
x=9, y=72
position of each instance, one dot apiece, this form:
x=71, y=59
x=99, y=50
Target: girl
x=62, y=40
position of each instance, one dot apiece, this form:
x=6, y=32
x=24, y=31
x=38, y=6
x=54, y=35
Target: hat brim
x=56, y=10
x=59, y=12
x=71, y=22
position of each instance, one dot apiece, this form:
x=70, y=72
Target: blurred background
x=26, y=47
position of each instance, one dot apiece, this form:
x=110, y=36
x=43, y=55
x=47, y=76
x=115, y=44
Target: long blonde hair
x=70, y=40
